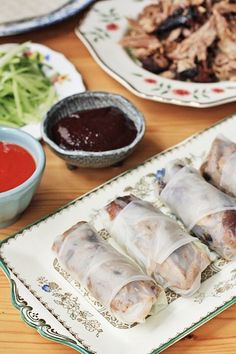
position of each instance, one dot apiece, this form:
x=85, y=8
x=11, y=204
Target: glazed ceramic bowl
x=92, y=100
x=16, y=200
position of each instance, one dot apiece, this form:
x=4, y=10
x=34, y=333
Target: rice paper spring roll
x=219, y=167
x=157, y=243
x=112, y=279
x=206, y=211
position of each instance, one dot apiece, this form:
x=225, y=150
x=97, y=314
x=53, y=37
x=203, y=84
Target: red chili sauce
x=99, y=129
x=16, y=166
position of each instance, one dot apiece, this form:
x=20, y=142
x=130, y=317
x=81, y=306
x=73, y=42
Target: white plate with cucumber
x=32, y=78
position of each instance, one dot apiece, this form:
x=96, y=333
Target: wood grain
x=166, y=126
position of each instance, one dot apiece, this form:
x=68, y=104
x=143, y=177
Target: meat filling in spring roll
x=208, y=212
x=219, y=167
x=157, y=243
x=114, y=280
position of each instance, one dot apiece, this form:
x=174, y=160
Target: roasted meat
x=186, y=40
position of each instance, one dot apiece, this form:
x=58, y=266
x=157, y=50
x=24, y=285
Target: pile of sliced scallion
x=25, y=92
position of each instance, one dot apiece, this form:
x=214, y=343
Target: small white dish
x=101, y=31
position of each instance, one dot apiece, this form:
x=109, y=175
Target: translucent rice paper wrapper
x=219, y=165
x=191, y=198
x=200, y=256
x=228, y=177
x=112, y=278
x=160, y=246
x=208, y=212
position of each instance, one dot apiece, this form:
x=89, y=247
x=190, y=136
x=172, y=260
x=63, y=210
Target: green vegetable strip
x=25, y=92
x=16, y=95
x=6, y=58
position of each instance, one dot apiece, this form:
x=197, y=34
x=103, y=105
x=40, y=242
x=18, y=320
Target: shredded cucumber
x=25, y=91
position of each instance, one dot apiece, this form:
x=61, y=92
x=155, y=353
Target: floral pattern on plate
x=101, y=32
x=72, y=306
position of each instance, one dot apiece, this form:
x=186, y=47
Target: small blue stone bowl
x=16, y=200
x=92, y=100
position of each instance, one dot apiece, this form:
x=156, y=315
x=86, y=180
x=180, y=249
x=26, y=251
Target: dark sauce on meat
x=99, y=129
x=180, y=18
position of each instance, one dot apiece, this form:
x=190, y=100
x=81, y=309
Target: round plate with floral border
x=101, y=31
x=61, y=72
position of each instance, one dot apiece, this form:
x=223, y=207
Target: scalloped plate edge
x=127, y=85
x=41, y=325
x=123, y=81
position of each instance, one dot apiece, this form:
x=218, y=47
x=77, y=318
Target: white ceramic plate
x=63, y=312
x=66, y=79
x=101, y=31
x=62, y=13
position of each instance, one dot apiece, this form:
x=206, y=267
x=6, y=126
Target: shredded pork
x=191, y=40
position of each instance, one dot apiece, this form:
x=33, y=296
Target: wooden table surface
x=166, y=126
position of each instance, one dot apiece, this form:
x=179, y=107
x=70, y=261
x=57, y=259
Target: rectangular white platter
x=60, y=312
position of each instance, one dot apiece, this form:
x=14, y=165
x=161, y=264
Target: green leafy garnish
x=26, y=93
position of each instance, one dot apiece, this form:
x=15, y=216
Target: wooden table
x=166, y=126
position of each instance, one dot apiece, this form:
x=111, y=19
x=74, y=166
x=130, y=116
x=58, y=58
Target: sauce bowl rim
x=40, y=164
x=84, y=153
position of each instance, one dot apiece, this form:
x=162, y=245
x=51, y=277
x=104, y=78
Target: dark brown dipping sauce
x=99, y=129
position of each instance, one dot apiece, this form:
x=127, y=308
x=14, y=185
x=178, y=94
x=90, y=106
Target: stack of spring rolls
x=159, y=253
x=156, y=252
